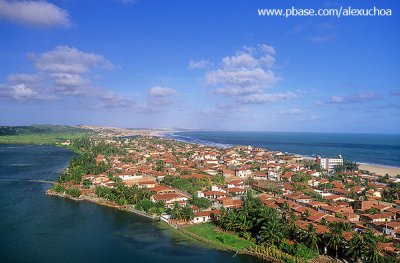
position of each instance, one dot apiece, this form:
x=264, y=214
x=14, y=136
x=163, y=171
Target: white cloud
x=247, y=72
x=266, y=98
x=64, y=59
x=354, y=98
x=267, y=49
x=291, y=112
x=158, y=99
x=158, y=91
x=64, y=71
x=34, y=13
x=31, y=78
x=199, y=64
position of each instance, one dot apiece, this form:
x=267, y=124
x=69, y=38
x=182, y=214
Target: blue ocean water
x=383, y=149
x=35, y=227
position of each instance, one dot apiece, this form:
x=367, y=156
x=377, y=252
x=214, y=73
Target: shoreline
x=378, y=169
x=382, y=170
x=181, y=229
x=102, y=202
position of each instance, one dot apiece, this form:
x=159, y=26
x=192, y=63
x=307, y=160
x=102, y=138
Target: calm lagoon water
x=39, y=228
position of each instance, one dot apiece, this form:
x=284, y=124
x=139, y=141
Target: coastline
x=378, y=169
x=102, y=202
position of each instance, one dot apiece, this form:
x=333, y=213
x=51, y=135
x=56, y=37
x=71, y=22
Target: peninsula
x=275, y=206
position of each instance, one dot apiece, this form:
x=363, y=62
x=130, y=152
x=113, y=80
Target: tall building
x=329, y=164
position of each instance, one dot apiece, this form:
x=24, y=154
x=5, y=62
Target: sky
x=200, y=64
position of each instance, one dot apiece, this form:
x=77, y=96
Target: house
x=169, y=199
x=236, y=183
x=299, y=198
x=229, y=202
x=392, y=229
x=274, y=176
x=380, y=217
x=214, y=194
x=146, y=184
x=235, y=190
x=243, y=172
x=205, y=216
x=161, y=189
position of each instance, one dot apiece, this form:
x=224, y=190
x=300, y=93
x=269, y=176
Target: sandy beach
x=380, y=170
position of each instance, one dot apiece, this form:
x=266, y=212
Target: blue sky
x=199, y=64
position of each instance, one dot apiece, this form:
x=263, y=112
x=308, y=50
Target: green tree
x=356, y=247
x=187, y=213
x=373, y=253
x=200, y=202
x=176, y=211
x=334, y=238
x=310, y=237
x=73, y=191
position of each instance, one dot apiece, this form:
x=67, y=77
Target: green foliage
x=200, y=202
x=86, y=183
x=314, y=195
x=212, y=234
x=82, y=165
x=392, y=192
x=145, y=205
x=180, y=212
x=334, y=238
x=189, y=185
x=301, y=177
x=312, y=165
x=302, y=251
x=122, y=195
x=218, y=180
x=160, y=166
x=58, y=188
x=73, y=191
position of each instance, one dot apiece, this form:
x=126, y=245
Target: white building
x=329, y=164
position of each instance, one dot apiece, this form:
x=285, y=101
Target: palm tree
x=356, y=247
x=291, y=225
x=305, y=214
x=335, y=238
x=373, y=253
x=187, y=213
x=243, y=223
x=310, y=237
x=271, y=232
x=231, y=220
x=176, y=211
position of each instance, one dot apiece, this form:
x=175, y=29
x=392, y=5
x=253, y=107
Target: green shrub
x=73, y=191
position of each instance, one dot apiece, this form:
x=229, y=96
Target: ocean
x=381, y=149
x=35, y=227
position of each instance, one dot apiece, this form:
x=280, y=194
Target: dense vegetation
x=40, y=134
x=85, y=163
x=266, y=226
x=189, y=185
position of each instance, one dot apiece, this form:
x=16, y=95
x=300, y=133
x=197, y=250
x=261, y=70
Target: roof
x=207, y=213
x=214, y=193
x=164, y=197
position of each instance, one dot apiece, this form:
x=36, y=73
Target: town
x=327, y=204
